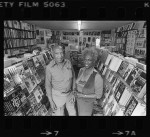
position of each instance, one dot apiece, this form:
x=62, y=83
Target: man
x=60, y=82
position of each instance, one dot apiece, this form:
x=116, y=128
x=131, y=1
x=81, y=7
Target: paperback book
x=119, y=91
x=13, y=72
x=115, y=64
x=125, y=97
x=128, y=71
x=8, y=82
x=130, y=106
x=138, y=86
x=140, y=110
x=30, y=83
x=25, y=108
x=38, y=94
x=20, y=70
x=42, y=111
x=132, y=76
x=122, y=68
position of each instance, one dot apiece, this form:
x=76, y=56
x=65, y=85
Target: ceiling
x=85, y=25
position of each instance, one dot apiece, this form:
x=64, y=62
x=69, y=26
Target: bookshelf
x=24, y=90
x=18, y=36
x=121, y=89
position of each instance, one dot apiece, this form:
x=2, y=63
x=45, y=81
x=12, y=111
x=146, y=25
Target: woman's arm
x=87, y=96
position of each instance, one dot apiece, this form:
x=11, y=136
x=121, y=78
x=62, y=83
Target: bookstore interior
x=121, y=63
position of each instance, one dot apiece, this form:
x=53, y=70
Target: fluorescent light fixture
x=79, y=25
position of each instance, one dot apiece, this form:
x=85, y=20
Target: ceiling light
x=79, y=25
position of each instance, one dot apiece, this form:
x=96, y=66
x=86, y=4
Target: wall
x=43, y=46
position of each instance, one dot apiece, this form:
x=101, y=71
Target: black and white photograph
x=66, y=74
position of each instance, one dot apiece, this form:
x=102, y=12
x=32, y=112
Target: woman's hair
x=90, y=51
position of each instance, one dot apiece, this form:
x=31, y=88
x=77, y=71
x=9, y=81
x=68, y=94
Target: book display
x=24, y=92
x=18, y=36
x=124, y=86
x=130, y=40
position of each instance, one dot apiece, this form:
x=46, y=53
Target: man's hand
x=72, y=97
x=53, y=105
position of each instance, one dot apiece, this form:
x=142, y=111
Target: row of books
x=12, y=43
x=123, y=81
x=22, y=81
x=12, y=33
x=19, y=25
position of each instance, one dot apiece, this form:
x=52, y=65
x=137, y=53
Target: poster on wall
x=89, y=39
x=93, y=39
x=41, y=33
x=38, y=41
x=84, y=39
x=48, y=33
x=140, y=52
x=37, y=32
x=76, y=40
x=42, y=40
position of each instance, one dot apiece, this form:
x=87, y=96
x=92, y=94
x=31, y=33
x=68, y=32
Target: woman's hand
x=80, y=95
x=72, y=98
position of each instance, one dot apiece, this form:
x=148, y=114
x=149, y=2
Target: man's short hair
x=57, y=46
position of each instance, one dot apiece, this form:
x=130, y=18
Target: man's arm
x=48, y=85
x=73, y=86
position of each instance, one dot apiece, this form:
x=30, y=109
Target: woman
x=89, y=84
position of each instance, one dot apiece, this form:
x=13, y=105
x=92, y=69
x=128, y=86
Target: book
x=104, y=71
x=122, y=68
x=108, y=60
x=117, y=85
x=130, y=106
x=113, y=80
x=119, y=91
x=42, y=111
x=14, y=100
x=128, y=71
x=109, y=104
x=101, y=71
x=112, y=106
x=25, y=108
x=30, y=83
x=38, y=94
x=115, y=109
x=14, y=74
x=132, y=76
x=8, y=82
x=31, y=65
x=110, y=76
x=20, y=70
x=45, y=58
x=138, y=86
x=125, y=97
x=8, y=106
x=41, y=59
x=115, y=64
x=27, y=70
x=24, y=89
x=101, y=66
x=107, y=73
x=120, y=112
x=140, y=110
